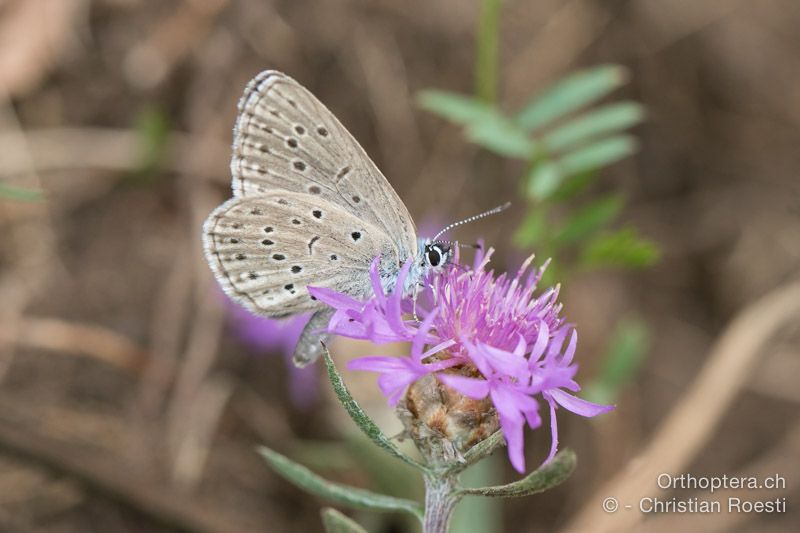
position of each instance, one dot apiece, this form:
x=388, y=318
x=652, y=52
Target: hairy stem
x=441, y=497
x=487, y=51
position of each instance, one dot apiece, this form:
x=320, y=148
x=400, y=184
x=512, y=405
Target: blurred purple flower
x=510, y=340
x=269, y=335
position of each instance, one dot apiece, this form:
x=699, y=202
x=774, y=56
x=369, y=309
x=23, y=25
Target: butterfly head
x=432, y=257
x=436, y=255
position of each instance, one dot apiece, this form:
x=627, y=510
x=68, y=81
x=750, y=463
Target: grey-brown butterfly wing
x=287, y=139
x=265, y=250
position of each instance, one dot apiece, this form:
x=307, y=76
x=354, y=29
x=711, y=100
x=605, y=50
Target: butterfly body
x=309, y=207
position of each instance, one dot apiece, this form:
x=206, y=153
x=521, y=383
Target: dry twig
x=106, y=149
x=60, y=336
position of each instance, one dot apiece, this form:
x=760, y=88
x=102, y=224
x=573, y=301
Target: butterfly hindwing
x=265, y=250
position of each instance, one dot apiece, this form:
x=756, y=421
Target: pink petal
x=422, y=335
x=438, y=348
x=553, y=430
x=522, y=346
x=477, y=389
x=573, y=341
x=478, y=260
x=528, y=406
x=442, y=365
x=393, y=384
x=477, y=357
x=375, y=277
x=556, y=343
x=394, y=308
x=334, y=299
x=578, y=405
x=505, y=362
x=376, y=364
x=541, y=342
x=511, y=423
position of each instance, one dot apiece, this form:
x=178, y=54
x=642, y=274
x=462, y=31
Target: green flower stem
x=487, y=51
x=441, y=497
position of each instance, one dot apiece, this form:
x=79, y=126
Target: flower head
x=378, y=319
x=483, y=336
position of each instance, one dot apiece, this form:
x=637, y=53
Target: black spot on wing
x=342, y=173
x=314, y=239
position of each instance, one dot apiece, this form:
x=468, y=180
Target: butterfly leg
x=309, y=347
x=414, y=302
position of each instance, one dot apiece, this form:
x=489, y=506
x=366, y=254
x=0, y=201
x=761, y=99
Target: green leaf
x=484, y=125
x=20, y=194
x=597, y=155
x=336, y=522
x=361, y=419
x=326, y=455
x=305, y=479
x=570, y=94
x=573, y=185
x=589, y=220
x=605, y=120
x=533, y=229
x=623, y=357
x=548, y=179
x=501, y=136
x=546, y=477
x=623, y=248
x=458, y=108
x=544, y=180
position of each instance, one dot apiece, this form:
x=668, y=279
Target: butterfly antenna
x=473, y=218
x=474, y=246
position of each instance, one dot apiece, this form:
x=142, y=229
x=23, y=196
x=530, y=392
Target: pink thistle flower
x=378, y=319
x=397, y=373
x=483, y=337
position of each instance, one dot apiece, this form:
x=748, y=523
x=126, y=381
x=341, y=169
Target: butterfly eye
x=434, y=256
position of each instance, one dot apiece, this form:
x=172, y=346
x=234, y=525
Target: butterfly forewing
x=287, y=139
x=265, y=250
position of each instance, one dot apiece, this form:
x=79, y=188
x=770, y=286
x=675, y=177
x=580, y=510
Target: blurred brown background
x=127, y=403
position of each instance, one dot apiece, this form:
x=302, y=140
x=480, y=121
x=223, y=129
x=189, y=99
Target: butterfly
x=309, y=207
